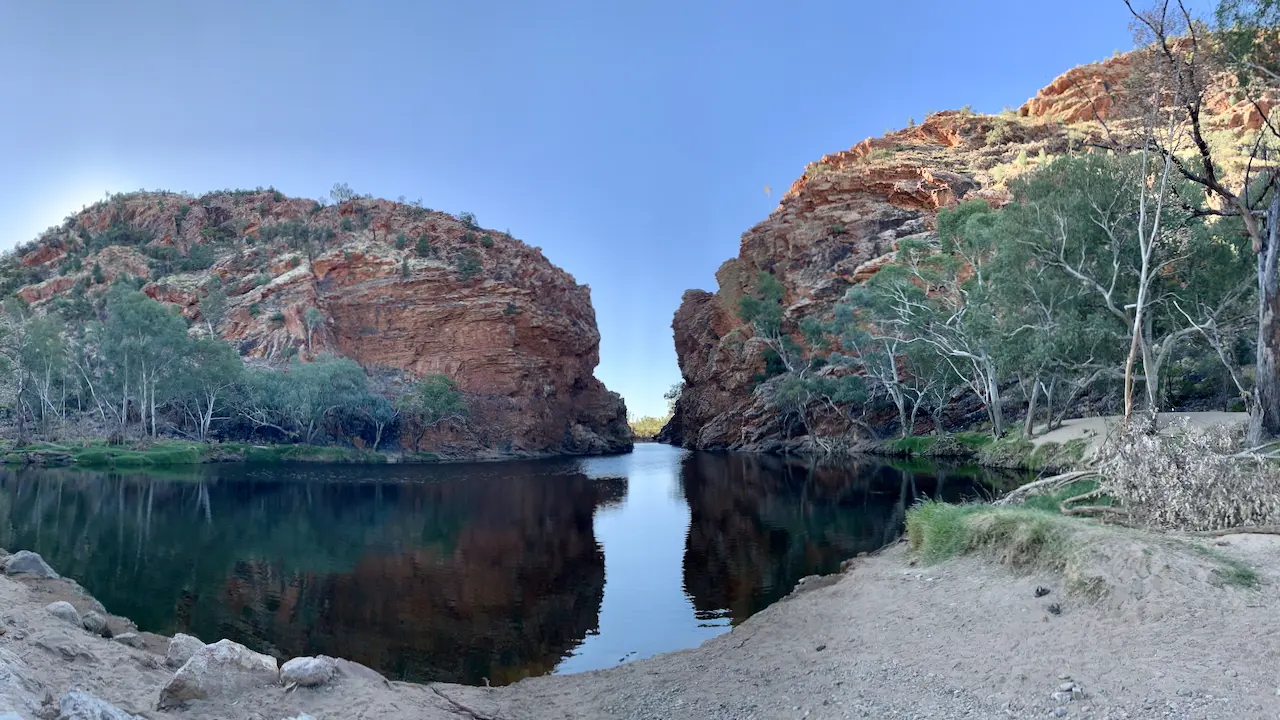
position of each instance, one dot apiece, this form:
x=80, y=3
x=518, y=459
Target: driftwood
x=1045, y=486
x=1066, y=506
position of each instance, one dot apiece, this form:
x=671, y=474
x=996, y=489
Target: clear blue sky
x=631, y=141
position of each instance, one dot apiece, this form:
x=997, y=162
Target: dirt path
x=966, y=639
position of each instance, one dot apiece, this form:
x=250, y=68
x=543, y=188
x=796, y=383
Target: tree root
x=1044, y=487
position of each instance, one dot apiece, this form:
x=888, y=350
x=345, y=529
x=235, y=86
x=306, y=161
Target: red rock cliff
x=396, y=285
x=841, y=221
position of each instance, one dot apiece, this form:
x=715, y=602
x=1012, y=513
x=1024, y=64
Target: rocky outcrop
x=841, y=222
x=389, y=284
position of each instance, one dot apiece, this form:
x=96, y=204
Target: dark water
x=459, y=573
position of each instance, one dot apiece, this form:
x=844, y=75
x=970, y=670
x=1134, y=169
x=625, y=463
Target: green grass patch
x=1094, y=559
x=1053, y=503
x=1018, y=537
x=975, y=440
x=302, y=453
x=1229, y=570
x=174, y=453
x=158, y=455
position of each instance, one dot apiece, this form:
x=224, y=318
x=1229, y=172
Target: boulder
x=77, y=705
x=26, y=562
x=94, y=622
x=181, y=648
x=308, y=671
x=222, y=670
x=131, y=639
x=65, y=612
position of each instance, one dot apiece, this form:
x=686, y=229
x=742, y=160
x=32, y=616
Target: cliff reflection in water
x=462, y=572
x=495, y=577
x=760, y=523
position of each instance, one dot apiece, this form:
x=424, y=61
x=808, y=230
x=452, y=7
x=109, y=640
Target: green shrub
x=487, y=241
x=254, y=309
x=401, y=241
x=468, y=263
x=347, y=226
x=277, y=317
x=423, y=247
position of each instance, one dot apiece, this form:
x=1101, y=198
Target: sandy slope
x=886, y=639
x=1096, y=429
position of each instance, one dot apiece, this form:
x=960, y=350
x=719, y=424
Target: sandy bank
x=1095, y=430
x=967, y=639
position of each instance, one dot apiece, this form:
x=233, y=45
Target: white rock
x=133, y=640
x=28, y=563
x=77, y=705
x=94, y=622
x=181, y=648
x=65, y=612
x=308, y=671
x=224, y=669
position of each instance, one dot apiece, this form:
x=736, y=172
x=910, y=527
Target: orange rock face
x=395, y=285
x=842, y=220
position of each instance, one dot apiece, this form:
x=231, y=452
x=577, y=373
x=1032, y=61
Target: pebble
x=1230, y=673
x=1059, y=711
x=1067, y=686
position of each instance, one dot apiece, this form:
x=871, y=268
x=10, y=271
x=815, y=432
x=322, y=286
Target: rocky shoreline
x=886, y=638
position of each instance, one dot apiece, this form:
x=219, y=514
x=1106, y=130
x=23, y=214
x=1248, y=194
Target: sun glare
x=55, y=204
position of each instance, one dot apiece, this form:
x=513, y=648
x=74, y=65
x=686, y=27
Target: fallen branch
x=1091, y=495
x=476, y=714
x=1094, y=509
x=1044, y=487
x=1242, y=530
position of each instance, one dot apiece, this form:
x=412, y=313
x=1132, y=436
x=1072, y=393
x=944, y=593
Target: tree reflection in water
x=454, y=573
x=760, y=523
x=497, y=577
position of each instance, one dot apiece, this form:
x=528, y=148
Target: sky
x=632, y=142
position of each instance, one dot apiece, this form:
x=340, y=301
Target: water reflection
x=458, y=581
x=461, y=573
x=759, y=524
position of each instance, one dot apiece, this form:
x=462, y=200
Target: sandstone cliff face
x=841, y=221
x=396, y=286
